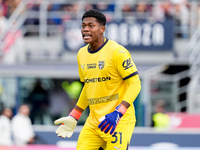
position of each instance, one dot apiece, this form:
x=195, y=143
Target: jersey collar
x=106, y=40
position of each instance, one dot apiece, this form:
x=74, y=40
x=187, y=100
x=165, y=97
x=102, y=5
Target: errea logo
x=127, y=64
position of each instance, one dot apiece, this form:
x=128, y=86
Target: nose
x=85, y=28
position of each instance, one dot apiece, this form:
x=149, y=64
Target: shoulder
x=113, y=44
x=83, y=49
x=15, y=118
x=5, y=119
x=117, y=48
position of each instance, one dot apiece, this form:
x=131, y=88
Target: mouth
x=86, y=36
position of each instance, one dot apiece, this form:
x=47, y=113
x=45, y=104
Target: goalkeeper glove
x=111, y=120
x=68, y=124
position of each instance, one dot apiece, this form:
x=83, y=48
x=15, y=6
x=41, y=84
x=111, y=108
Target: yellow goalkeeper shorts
x=94, y=138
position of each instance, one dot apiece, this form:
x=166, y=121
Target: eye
x=91, y=25
x=83, y=26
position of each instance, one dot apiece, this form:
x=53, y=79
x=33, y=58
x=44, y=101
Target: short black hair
x=101, y=18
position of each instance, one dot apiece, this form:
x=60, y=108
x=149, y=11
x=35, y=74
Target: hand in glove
x=68, y=124
x=110, y=121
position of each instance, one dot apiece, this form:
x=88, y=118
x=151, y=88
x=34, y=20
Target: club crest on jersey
x=101, y=64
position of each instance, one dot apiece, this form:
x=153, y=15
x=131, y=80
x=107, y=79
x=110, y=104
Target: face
x=8, y=112
x=24, y=109
x=92, y=31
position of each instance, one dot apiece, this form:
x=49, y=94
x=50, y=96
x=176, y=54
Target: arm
x=134, y=87
x=69, y=123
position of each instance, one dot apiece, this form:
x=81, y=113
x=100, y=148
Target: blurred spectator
x=143, y=11
x=158, y=12
x=163, y=10
x=71, y=12
x=10, y=6
x=5, y=127
x=181, y=16
x=22, y=128
x=38, y=100
x=88, y=7
x=54, y=18
x=142, y=7
x=7, y=8
x=104, y=7
x=66, y=17
x=160, y=120
x=75, y=7
x=4, y=7
x=198, y=15
x=127, y=8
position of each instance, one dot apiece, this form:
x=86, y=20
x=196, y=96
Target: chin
x=87, y=42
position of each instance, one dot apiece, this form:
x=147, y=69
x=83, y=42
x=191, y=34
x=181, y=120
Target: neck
x=94, y=46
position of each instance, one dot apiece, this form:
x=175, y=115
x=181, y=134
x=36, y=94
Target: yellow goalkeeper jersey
x=104, y=72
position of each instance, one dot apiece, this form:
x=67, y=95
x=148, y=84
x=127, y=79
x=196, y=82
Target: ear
x=102, y=29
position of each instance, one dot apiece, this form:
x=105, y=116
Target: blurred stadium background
x=39, y=40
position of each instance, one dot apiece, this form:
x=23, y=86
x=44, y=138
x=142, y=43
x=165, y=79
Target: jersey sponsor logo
x=101, y=64
x=82, y=66
x=127, y=64
x=91, y=66
x=99, y=79
x=104, y=99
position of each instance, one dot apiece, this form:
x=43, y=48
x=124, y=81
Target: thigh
x=89, y=139
x=121, y=137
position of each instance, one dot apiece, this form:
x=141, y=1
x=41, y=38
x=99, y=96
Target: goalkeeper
x=111, y=84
